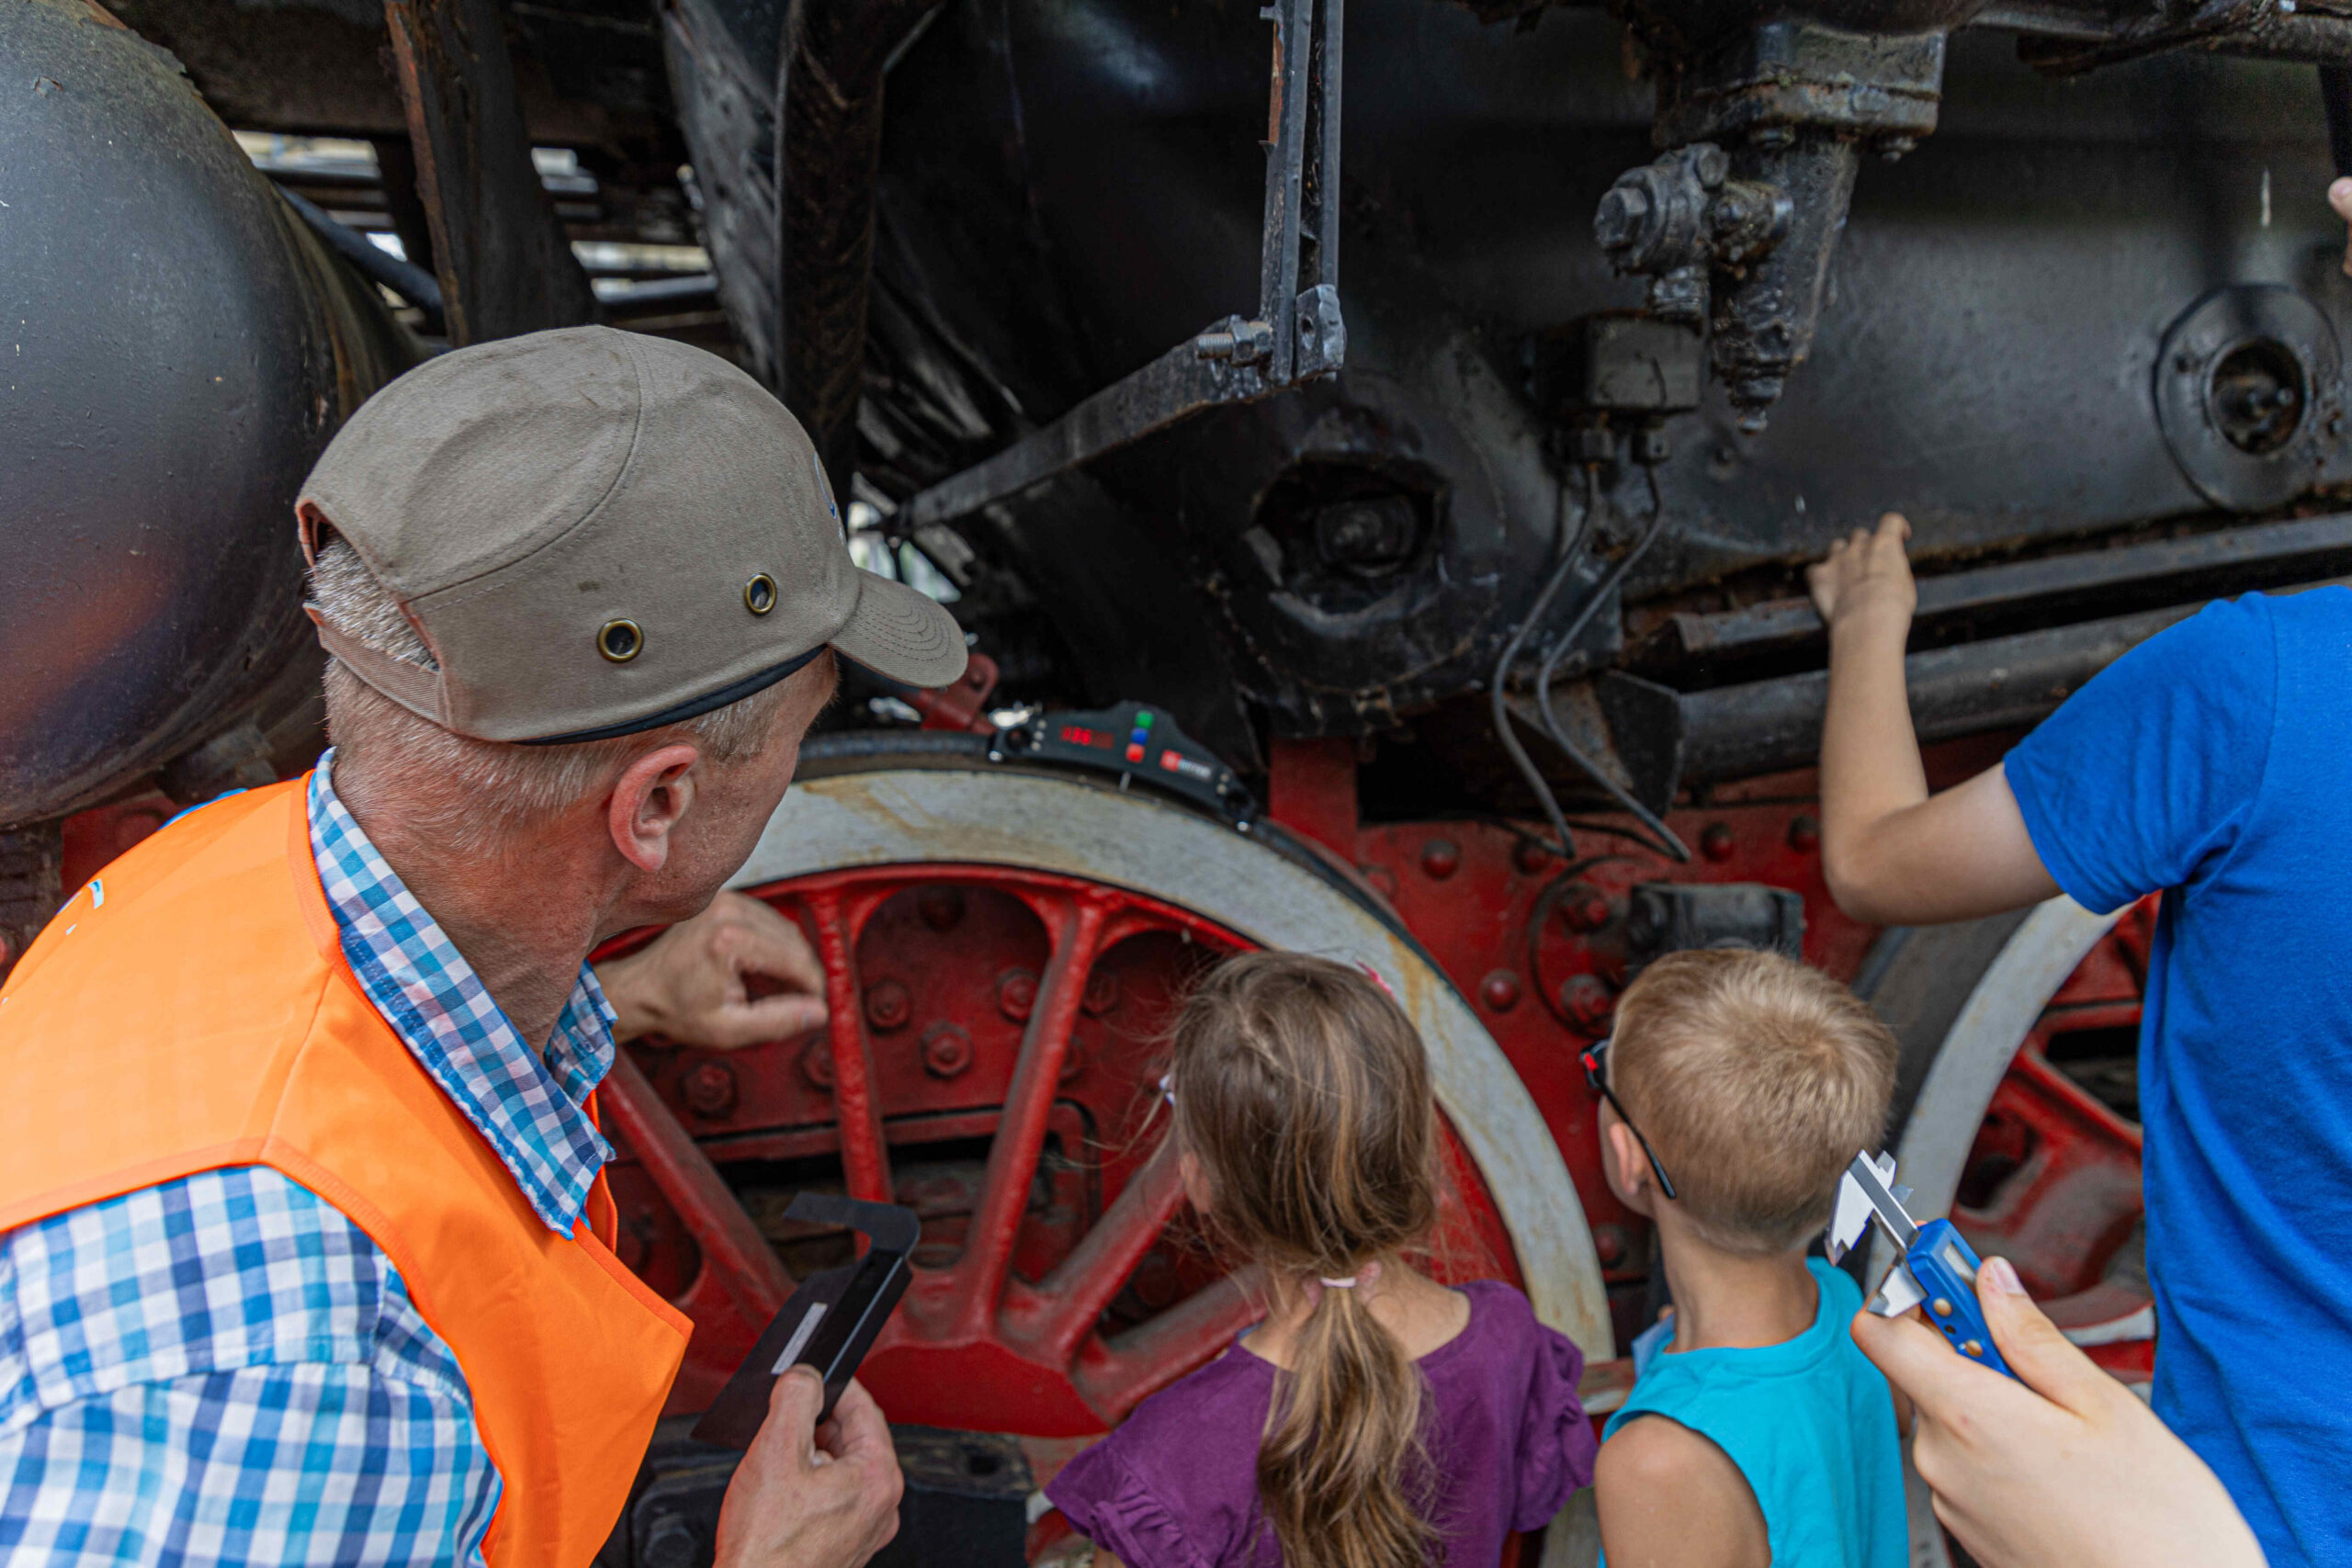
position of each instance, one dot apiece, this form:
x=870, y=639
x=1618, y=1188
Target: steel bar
x=829, y=109
x=865, y=1159
x=1028, y=1101
x=749, y=1272
x=2302, y=548
x=1082, y=1284
x=506, y=267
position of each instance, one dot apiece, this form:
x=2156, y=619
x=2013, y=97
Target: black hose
x=408, y=280
x=1499, y=712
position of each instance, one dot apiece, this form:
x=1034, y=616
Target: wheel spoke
x=1083, y=1283
x=1115, y=1376
x=746, y=1268
x=1079, y=929
x=865, y=1160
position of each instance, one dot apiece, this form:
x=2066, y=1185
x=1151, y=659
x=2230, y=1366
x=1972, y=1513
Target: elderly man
x=307, y=1253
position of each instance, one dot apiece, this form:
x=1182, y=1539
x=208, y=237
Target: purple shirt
x=1176, y=1486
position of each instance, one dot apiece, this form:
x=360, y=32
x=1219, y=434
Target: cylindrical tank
x=175, y=347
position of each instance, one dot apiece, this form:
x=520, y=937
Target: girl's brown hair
x=1303, y=1093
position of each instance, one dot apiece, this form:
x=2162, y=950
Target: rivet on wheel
x=946, y=1050
x=817, y=1064
x=1441, y=858
x=1500, y=991
x=1716, y=844
x=708, y=1089
x=1804, y=834
x=1584, y=908
x=1587, y=1003
x=887, y=1005
x=1016, y=994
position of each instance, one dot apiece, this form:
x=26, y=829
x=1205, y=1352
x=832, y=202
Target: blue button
x=1140, y=736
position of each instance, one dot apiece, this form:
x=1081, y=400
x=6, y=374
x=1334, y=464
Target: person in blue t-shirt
x=2214, y=762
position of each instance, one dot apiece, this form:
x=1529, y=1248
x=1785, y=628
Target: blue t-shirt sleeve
x=2146, y=775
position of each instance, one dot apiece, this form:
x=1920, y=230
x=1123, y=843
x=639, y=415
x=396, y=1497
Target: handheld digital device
x=829, y=1324
x=1937, y=1271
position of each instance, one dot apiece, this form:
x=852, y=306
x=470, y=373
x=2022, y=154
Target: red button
x=1134, y=753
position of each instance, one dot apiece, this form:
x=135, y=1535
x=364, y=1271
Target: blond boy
x=1738, y=1085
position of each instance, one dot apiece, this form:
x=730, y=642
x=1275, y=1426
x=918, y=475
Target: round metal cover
x=2249, y=394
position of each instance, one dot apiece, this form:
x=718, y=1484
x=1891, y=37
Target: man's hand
x=691, y=982
x=2065, y=1470
x=806, y=1497
x=1866, y=581
x=2339, y=197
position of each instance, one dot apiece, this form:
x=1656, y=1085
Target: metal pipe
x=1765, y=725
x=410, y=282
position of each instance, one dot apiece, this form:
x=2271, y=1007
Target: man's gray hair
x=478, y=793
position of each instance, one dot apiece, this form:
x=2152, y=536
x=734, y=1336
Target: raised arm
x=1894, y=855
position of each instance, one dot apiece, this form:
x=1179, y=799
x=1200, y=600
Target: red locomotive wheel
x=1001, y=949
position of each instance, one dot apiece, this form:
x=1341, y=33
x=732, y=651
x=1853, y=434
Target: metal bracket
x=1298, y=334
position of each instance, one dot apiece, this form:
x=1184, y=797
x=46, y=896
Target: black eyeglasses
x=1595, y=1074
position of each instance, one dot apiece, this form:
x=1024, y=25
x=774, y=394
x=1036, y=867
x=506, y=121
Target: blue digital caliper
x=1938, y=1269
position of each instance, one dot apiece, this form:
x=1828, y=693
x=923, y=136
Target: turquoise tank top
x=1810, y=1424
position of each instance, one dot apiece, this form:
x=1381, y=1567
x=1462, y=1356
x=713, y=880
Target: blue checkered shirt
x=224, y=1369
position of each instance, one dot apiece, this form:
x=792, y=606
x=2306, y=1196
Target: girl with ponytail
x=1376, y=1418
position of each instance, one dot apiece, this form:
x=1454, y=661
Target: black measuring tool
x=830, y=1321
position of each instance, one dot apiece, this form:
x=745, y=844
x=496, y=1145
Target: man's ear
x=1629, y=1167
x=648, y=800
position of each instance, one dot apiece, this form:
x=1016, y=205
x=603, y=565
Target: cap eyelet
x=620, y=641
x=759, y=594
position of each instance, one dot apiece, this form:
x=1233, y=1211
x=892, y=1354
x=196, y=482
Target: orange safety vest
x=192, y=1009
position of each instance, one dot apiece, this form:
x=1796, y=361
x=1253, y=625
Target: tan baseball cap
x=596, y=533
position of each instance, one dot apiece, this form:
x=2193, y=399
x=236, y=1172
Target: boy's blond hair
x=1756, y=1079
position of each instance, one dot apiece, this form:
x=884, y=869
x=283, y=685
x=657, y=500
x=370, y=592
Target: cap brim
x=902, y=634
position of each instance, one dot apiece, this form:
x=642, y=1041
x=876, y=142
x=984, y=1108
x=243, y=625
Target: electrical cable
x=1665, y=840
x=1570, y=553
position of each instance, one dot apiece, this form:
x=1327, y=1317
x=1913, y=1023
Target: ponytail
x=1303, y=1092
x=1342, y=1454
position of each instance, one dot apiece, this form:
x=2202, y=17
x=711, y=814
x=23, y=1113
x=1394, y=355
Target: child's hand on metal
x=2063, y=1468
x=1866, y=578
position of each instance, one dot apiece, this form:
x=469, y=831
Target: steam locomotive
x=1372, y=446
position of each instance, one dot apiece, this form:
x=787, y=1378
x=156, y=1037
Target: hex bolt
x=1609, y=1245
x=941, y=907
x=1804, y=834
x=1717, y=843
x=888, y=1004
x=946, y=1050
x=817, y=1064
x=708, y=1089
x=1500, y=991
x=1589, y=1004
x=1529, y=858
x=1618, y=222
x=1016, y=994
x=1584, y=908
x=1441, y=858
x=1102, y=993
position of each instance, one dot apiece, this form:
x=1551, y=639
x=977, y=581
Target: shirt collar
x=532, y=1111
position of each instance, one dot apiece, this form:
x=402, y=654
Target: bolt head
x=708, y=1089
x=1609, y=1245
x=1584, y=908
x=817, y=1064
x=888, y=1004
x=1441, y=858
x=1587, y=1003
x=1529, y=857
x=1500, y=991
x=1717, y=843
x=946, y=1050
x=1016, y=994
x=1804, y=834
x=1618, y=221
